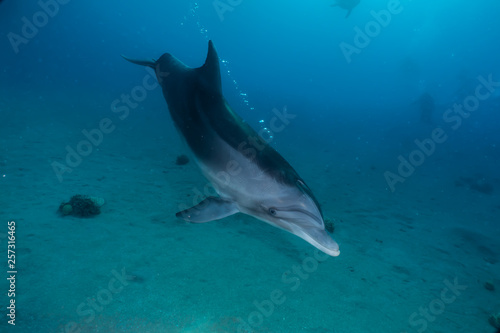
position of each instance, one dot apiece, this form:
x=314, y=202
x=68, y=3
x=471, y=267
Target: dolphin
x=248, y=175
x=346, y=4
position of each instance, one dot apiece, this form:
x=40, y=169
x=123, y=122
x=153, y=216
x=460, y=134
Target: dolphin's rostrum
x=248, y=174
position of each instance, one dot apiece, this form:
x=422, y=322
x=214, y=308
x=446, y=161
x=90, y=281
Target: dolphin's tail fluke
x=149, y=63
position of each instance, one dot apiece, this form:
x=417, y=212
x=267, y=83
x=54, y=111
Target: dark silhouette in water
x=426, y=105
x=476, y=183
x=347, y=5
x=182, y=160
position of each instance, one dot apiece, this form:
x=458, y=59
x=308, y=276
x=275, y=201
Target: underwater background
x=394, y=125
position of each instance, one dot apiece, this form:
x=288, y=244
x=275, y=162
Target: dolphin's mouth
x=296, y=216
x=332, y=249
x=319, y=238
x=307, y=225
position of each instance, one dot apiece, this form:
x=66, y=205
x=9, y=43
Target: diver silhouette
x=426, y=105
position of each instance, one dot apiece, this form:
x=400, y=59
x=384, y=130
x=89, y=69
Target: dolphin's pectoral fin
x=348, y=13
x=212, y=208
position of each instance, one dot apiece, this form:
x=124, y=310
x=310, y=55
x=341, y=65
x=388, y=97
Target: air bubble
x=266, y=134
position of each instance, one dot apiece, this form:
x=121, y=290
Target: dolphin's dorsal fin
x=210, y=71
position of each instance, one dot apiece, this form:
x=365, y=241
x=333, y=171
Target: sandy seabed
x=411, y=261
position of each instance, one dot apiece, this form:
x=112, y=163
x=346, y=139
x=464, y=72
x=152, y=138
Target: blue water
x=394, y=125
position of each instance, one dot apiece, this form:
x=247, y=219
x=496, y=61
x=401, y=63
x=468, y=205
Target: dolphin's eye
x=272, y=211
